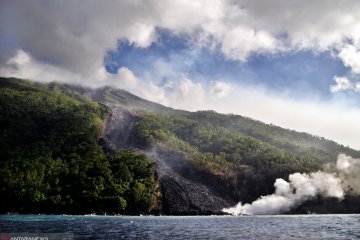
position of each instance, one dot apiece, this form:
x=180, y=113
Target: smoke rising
x=302, y=187
x=347, y=164
x=348, y=170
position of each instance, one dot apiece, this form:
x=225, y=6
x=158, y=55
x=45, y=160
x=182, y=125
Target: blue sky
x=300, y=74
x=290, y=63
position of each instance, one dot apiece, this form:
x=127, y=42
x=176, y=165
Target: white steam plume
x=349, y=169
x=301, y=187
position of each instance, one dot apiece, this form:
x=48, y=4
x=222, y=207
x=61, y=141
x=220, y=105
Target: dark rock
x=185, y=190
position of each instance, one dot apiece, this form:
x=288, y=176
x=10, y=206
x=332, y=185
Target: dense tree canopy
x=247, y=165
x=50, y=160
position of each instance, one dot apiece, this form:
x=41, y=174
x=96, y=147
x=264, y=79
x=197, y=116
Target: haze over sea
x=184, y=227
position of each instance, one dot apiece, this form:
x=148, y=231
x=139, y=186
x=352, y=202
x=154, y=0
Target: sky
x=295, y=64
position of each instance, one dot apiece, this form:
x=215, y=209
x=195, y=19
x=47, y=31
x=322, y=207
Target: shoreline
x=176, y=216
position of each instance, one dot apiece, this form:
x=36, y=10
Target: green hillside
x=246, y=154
x=298, y=143
x=50, y=160
x=246, y=165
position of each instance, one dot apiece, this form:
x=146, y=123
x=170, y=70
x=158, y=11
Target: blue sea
x=194, y=227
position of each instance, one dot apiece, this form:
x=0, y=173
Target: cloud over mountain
x=69, y=41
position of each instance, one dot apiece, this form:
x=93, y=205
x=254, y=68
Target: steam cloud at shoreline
x=302, y=187
x=349, y=169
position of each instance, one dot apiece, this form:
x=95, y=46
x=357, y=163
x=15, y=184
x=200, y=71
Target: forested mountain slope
x=204, y=161
x=50, y=160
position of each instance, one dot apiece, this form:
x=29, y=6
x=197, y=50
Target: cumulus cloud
x=23, y=65
x=219, y=89
x=341, y=84
x=187, y=95
x=74, y=35
x=77, y=35
x=124, y=78
x=350, y=55
x=241, y=41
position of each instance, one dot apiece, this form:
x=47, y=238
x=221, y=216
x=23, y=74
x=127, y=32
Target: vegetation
x=298, y=143
x=247, y=156
x=215, y=147
x=50, y=160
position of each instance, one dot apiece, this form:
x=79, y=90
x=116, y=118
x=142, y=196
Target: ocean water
x=194, y=227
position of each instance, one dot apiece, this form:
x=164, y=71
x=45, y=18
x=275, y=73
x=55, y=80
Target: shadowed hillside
x=50, y=159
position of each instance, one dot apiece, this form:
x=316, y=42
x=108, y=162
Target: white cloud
x=219, y=89
x=142, y=35
x=127, y=78
x=350, y=55
x=357, y=87
x=124, y=78
x=22, y=65
x=187, y=95
x=68, y=41
x=341, y=84
x=240, y=42
x=77, y=36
